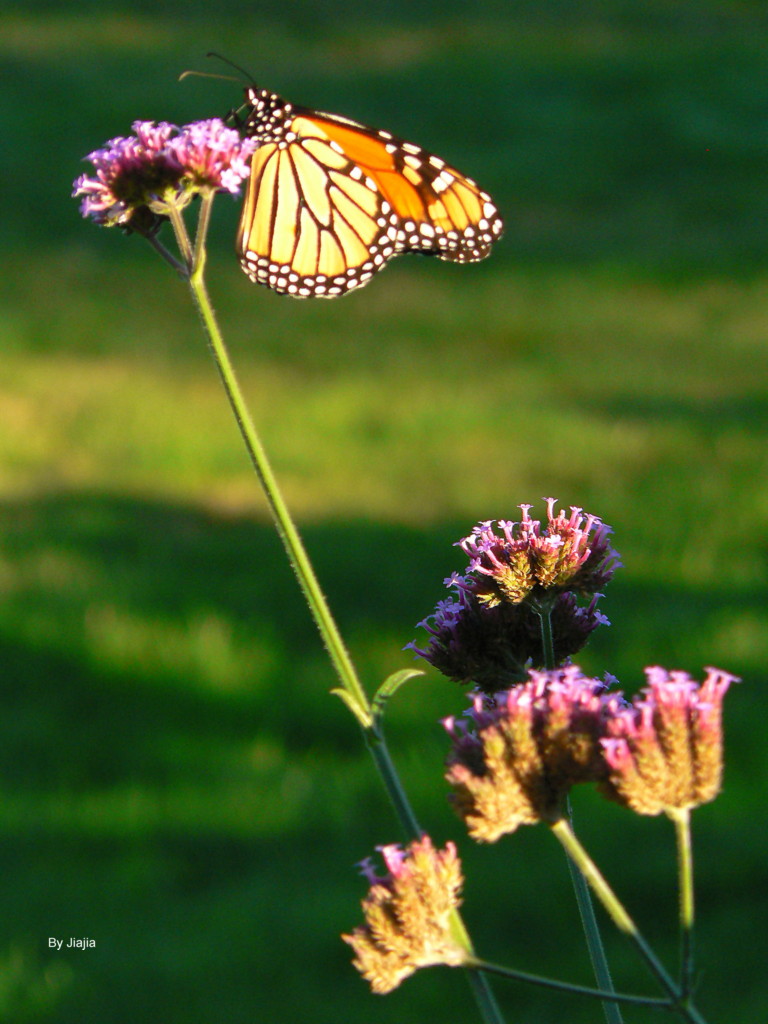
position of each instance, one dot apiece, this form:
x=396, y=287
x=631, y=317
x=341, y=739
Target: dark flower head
x=130, y=172
x=158, y=167
x=665, y=750
x=493, y=645
x=515, y=760
x=408, y=913
x=527, y=562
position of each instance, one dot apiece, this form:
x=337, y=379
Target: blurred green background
x=177, y=784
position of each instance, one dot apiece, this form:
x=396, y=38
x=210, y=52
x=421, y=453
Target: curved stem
x=182, y=236
x=203, y=220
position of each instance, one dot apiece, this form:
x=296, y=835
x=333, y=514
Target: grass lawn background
x=176, y=782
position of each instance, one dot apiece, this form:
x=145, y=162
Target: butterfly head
x=268, y=114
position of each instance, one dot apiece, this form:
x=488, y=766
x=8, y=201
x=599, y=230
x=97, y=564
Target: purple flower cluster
x=516, y=755
x=528, y=561
x=159, y=167
x=489, y=631
x=492, y=646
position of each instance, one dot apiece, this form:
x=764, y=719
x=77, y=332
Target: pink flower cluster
x=518, y=753
x=161, y=166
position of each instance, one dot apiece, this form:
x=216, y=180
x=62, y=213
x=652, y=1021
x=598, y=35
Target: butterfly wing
x=313, y=222
x=329, y=201
x=439, y=210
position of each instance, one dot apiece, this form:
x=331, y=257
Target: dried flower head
x=528, y=562
x=525, y=749
x=158, y=167
x=408, y=914
x=665, y=750
x=494, y=645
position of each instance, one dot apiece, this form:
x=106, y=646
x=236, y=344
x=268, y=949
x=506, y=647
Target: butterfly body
x=330, y=201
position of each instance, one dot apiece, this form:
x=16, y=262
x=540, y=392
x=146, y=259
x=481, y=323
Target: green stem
x=481, y=989
x=182, y=236
x=682, y=822
x=594, y=940
x=484, y=997
x=544, y=614
x=622, y=920
x=390, y=778
x=203, y=220
x=169, y=258
x=564, y=986
x=286, y=529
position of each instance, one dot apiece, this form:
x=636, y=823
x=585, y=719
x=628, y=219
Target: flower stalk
x=563, y=986
x=618, y=914
x=286, y=528
x=681, y=818
x=594, y=939
x=592, y=936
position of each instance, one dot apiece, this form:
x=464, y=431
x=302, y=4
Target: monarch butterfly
x=329, y=201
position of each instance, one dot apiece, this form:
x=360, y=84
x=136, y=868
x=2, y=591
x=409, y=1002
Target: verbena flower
x=665, y=750
x=516, y=759
x=493, y=645
x=158, y=167
x=210, y=155
x=527, y=562
x=407, y=914
x=489, y=632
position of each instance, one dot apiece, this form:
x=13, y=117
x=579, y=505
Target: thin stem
x=204, y=219
x=594, y=940
x=622, y=920
x=286, y=528
x=481, y=989
x=544, y=614
x=182, y=236
x=484, y=997
x=169, y=258
x=564, y=986
x=390, y=778
x=682, y=822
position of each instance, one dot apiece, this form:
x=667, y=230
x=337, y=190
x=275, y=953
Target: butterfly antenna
x=207, y=74
x=231, y=63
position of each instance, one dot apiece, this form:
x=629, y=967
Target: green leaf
x=390, y=685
